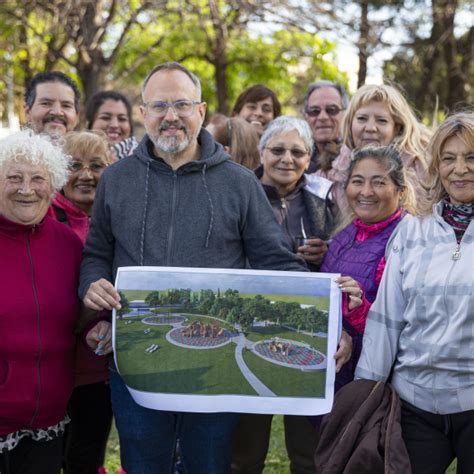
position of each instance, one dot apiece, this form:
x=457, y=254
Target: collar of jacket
x=273, y=195
x=438, y=216
x=15, y=230
x=211, y=154
x=316, y=185
x=63, y=202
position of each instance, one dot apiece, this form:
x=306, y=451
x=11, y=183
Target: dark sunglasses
x=331, y=110
x=280, y=151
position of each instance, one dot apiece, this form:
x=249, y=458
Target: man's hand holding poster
x=224, y=340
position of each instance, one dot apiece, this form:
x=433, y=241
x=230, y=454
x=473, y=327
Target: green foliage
x=287, y=60
x=233, y=315
x=153, y=299
x=245, y=311
x=125, y=305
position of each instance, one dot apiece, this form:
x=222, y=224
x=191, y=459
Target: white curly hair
x=37, y=150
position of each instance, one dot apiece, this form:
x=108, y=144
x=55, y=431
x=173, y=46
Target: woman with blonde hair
x=89, y=407
x=380, y=115
x=419, y=331
x=90, y=153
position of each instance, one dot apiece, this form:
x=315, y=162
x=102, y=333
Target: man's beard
x=55, y=133
x=171, y=145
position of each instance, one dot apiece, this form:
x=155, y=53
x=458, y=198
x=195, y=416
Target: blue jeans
x=148, y=437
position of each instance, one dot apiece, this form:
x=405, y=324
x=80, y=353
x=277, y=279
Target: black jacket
x=307, y=205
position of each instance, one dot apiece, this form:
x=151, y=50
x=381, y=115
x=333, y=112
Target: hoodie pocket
x=4, y=372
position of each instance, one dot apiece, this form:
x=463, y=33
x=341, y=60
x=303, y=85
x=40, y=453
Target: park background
x=425, y=47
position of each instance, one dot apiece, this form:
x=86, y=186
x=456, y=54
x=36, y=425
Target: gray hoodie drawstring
x=211, y=221
x=145, y=209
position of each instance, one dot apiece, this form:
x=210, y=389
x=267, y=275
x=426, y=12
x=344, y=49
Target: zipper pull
x=283, y=203
x=457, y=253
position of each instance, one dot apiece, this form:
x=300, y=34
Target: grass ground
x=284, y=381
x=173, y=369
x=277, y=461
x=158, y=372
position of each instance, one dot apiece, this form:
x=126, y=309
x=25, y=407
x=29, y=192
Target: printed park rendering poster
x=225, y=340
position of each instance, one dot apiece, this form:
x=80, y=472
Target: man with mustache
x=177, y=201
x=52, y=103
x=324, y=105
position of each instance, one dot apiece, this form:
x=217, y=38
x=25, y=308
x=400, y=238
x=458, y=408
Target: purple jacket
x=358, y=259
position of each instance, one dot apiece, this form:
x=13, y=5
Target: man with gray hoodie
x=177, y=201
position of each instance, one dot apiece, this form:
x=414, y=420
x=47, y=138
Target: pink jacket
x=90, y=368
x=358, y=316
x=39, y=274
x=77, y=219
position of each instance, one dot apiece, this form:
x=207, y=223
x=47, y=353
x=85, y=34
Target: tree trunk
x=363, y=42
x=432, y=56
x=218, y=46
x=456, y=89
x=92, y=76
x=220, y=76
x=25, y=60
x=91, y=65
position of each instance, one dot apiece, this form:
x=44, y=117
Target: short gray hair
x=284, y=124
x=323, y=83
x=174, y=66
x=37, y=150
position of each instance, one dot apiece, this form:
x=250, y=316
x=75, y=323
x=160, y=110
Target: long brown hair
x=239, y=136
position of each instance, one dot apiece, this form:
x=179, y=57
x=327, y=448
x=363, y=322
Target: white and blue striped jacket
x=421, y=324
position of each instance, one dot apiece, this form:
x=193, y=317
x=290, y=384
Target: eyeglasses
x=182, y=108
x=76, y=166
x=280, y=151
x=331, y=110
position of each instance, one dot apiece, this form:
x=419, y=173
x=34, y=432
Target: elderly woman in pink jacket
x=38, y=307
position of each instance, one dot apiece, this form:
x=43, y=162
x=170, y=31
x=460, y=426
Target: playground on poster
x=220, y=335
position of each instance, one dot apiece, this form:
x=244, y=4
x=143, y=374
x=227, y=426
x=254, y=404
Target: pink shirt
x=358, y=316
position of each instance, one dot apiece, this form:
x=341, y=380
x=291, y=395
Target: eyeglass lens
x=331, y=110
x=182, y=108
x=280, y=151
